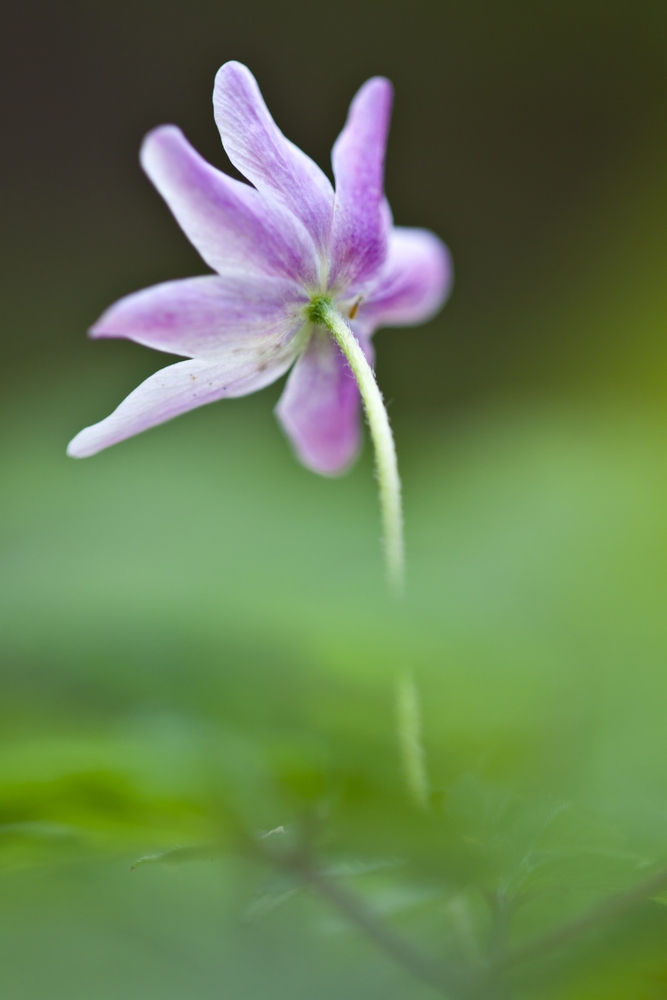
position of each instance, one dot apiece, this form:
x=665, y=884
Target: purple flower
x=277, y=248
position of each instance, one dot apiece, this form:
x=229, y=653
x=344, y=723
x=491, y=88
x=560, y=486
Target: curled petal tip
x=381, y=86
x=233, y=68
x=77, y=446
x=155, y=137
x=97, y=332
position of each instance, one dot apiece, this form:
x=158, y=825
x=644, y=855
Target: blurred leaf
x=181, y=855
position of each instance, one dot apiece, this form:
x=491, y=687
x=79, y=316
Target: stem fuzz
x=383, y=440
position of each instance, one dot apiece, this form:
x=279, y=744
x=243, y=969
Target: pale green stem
x=410, y=739
x=383, y=440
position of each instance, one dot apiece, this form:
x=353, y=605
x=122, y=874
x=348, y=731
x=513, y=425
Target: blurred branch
x=434, y=973
x=457, y=984
x=477, y=981
x=603, y=912
x=353, y=907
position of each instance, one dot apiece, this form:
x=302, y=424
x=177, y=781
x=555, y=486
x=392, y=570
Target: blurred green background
x=195, y=634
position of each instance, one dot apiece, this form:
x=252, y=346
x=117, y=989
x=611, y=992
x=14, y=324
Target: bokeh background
x=193, y=627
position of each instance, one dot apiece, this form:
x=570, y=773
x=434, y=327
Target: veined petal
x=175, y=390
x=234, y=315
x=320, y=407
x=414, y=282
x=359, y=235
x=258, y=148
x=229, y=223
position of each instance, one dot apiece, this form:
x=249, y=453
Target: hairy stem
x=410, y=740
x=383, y=439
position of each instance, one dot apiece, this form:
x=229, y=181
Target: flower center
x=317, y=309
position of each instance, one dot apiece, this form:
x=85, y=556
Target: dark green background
x=192, y=624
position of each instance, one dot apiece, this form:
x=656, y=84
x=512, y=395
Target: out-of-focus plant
x=498, y=885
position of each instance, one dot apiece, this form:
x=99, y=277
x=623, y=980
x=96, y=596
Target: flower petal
x=320, y=407
x=229, y=223
x=175, y=390
x=359, y=236
x=233, y=316
x=258, y=148
x=414, y=283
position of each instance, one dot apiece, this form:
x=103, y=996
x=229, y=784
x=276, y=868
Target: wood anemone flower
x=276, y=248
x=304, y=275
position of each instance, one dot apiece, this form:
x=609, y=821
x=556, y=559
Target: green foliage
x=199, y=668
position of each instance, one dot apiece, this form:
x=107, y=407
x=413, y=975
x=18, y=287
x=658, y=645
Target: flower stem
x=383, y=440
x=410, y=740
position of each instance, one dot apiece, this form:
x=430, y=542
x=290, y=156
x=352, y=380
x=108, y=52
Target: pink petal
x=233, y=315
x=320, y=407
x=257, y=148
x=230, y=224
x=414, y=282
x=175, y=390
x=359, y=237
